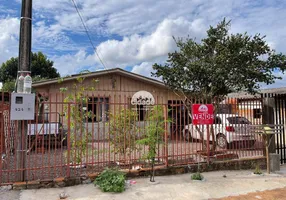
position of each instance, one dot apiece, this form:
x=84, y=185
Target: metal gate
x=70, y=145
x=279, y=118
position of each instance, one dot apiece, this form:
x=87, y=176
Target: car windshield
x=238, y=120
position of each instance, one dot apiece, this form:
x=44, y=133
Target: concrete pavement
x=216, y=185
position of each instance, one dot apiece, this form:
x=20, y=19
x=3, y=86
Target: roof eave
x=100, y=73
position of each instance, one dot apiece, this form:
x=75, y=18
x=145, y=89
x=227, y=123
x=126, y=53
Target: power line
x=87, y=33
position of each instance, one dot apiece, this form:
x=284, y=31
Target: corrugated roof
x=281, y=90
x=100, y=73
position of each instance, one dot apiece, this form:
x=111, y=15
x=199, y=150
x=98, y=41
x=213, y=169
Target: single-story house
x=114, y=87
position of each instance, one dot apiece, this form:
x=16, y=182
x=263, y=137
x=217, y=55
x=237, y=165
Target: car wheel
x=221, y=141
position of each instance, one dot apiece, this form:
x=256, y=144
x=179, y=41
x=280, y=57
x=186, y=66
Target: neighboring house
x=250, y=106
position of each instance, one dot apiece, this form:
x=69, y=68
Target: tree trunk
x=152, y=174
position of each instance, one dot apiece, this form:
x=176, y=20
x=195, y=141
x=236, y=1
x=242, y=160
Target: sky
x=133, y=34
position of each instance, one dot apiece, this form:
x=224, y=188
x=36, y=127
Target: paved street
x=277, y=194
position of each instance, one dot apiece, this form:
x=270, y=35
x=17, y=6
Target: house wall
x=248, y=108
x=251, y=109
x=117, y=88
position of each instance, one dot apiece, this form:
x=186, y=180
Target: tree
x=154, y=135
x=8, y=70
x=40, y=67
x=220, y=64
x=76, y=98
x=43, y=67
x=8, y=86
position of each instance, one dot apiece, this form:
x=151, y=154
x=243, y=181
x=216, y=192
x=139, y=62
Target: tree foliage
x=8, y=86
x=41, y=67
x=221, y=63
x=8, y=70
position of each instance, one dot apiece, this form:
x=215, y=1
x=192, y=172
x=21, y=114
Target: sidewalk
x=217, y=184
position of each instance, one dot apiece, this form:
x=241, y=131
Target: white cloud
x=8, y=38
x=47, y=37
x=44, y=38
x=267, y=20
x=74, y=63
x=123, y=18
x=144, y=69
x=137, y=48
x=134, y=49
x=139, y=32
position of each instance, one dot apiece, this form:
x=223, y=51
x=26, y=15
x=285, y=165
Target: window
x=99, y=107
x=256, y=113
x=141, y=110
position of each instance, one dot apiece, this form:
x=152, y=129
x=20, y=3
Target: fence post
x=268, y=117
x=166, y=134
x=1, y=137
x=208, y=143
x=68, y=142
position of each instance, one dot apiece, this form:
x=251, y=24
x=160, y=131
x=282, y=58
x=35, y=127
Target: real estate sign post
x=203, y=114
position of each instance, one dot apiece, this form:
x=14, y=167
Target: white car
x=228, y=128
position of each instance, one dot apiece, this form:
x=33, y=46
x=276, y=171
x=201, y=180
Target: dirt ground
x=277, y=194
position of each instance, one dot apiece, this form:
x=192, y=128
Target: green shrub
x=197, y=176
x=257, y=170
x=111, y=180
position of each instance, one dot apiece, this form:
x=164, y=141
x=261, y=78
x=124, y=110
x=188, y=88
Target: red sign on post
x=202, y=114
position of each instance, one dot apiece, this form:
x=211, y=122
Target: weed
x=111, y=180
x=197, y=176
x=257, y=170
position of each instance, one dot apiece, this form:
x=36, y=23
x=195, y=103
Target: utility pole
x=24, y=65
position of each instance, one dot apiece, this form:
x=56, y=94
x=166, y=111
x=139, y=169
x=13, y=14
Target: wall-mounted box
x=22, y=106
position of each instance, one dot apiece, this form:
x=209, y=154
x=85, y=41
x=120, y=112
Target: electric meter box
x=22, y=106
